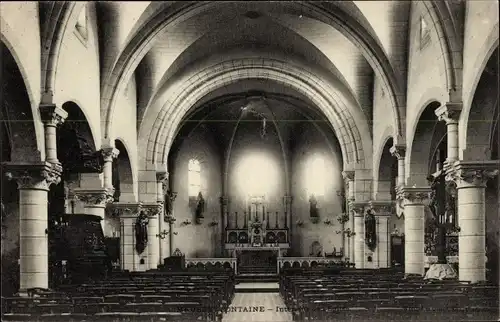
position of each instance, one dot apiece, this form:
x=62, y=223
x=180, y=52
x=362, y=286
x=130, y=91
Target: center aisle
x=262, y=307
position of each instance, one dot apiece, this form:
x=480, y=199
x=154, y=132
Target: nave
x=314, y=294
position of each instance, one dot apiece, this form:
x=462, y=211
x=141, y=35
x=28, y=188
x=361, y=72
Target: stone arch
x=123, y=172
x=58, y=21
x=316, y=90
x=26, y=141
x=487, y=51
x=140, y=43
x=385, y=182
x=479, y=117
x=418, y=153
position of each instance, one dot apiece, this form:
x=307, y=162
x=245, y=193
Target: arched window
x=425, y=33
x=315, y=176
x=81, y=23
x=194, y=177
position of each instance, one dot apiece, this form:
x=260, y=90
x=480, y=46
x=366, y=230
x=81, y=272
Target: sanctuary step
x=257, y=269
x=257, y=287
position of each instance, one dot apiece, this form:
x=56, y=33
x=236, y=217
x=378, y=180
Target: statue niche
x=141, y=232
x=370, y=230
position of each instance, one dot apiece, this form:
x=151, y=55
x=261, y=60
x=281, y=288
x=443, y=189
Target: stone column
x=450, y=112
x=358, y=208
x=349, y=240
x=161, y=188
x=399, y=151
x=287, y=203
x=414, y=208
x=109, y=154
x=33, y=181
x=224, y=204
x=51, y=116
x=94, y=202
x=471, y=178
x=382, y=211
x=153, y=212
x=127, y=212
x=170, y=219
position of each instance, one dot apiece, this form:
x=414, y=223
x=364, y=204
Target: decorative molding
x=348, y=175
x=449, y=112
x=382, y=207
x=475, y=173
x=398, y=151
x=109, y=153
x=94, y=197
x=52, y=115
x=414, y=195
x=358, y=207
x=162, y=176
x=152, y=210
x=38, y=175
x=124, y=209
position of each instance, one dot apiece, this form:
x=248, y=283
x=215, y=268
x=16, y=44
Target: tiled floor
x=261, y=307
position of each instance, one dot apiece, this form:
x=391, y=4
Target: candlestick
x=277, y=221
x=267, y=220
x=236, y=220
x=244, y=219
x=286, y=221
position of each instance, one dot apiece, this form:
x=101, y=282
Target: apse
x=257, y=174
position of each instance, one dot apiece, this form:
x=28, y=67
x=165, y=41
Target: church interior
x=250, y=161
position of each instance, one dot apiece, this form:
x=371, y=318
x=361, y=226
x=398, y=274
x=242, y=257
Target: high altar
x=255, y=244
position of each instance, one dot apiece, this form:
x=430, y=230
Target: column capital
x=124, y=209
x=382, y=207
x=449, y=112
x=398, y=151
x=52, y=115
x=94, y=197
x=39, y=175
x=348, y=175
x=224, y=200
x=472, y=173
x=162, y=176
x=414, y=195
x=109, y=153
x=153, y=209
x=358, y=207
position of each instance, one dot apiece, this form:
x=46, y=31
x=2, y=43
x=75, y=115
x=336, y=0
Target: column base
x=440, y=272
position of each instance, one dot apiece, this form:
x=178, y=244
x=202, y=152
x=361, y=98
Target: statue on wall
x=169, y=205
x=141, y=232
x=313, y=207
x=370, y=230
x=200, y=206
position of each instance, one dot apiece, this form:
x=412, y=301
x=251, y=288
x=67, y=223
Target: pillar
x=51, y=116
x=170, y=219
x=94, y=202
x=224, y=204
x=382, y=210
x=153, y=212
x=33, y=182
x=399, y=151
x=359, y=237
x=450, y=113
x=109, y=154
x=349, y=239
x=414, y=208
x=127, y=213
x=161, y=188
x=471, y=178
x=287, y=204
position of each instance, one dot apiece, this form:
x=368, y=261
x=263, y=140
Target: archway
x=122, y=175
x=19, y=144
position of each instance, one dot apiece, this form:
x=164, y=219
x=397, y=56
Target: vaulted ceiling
x=345, y=44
